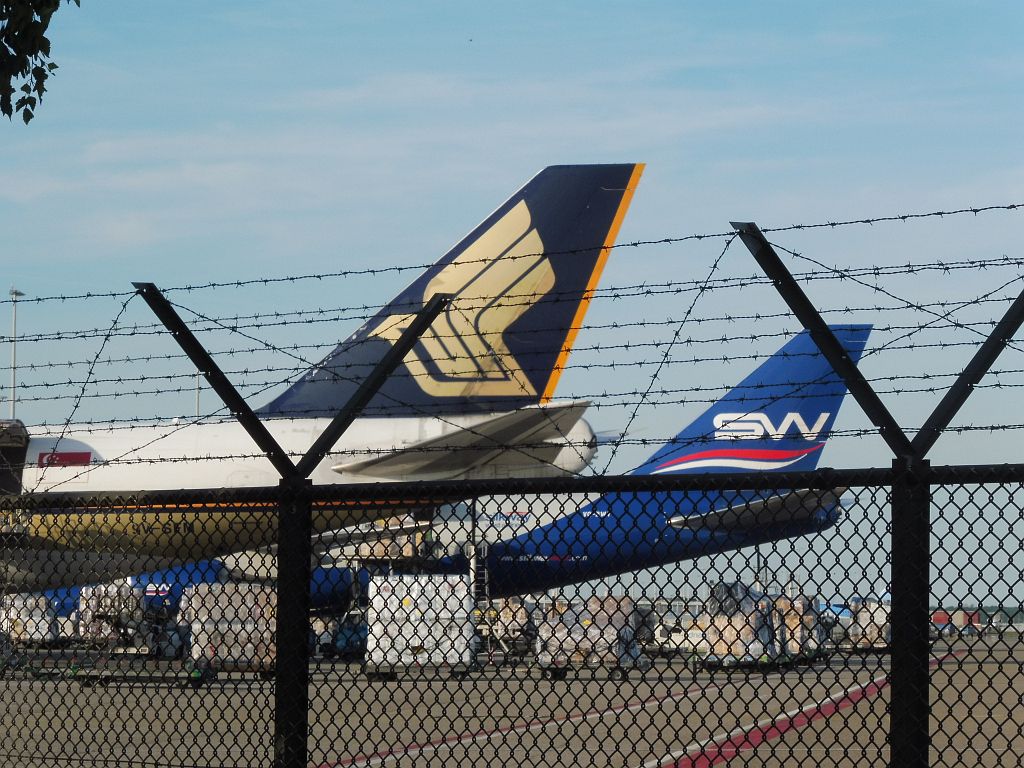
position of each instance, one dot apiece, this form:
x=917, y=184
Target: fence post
x=909, y=735
x=294, y=549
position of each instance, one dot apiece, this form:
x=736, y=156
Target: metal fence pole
x=910, y=709
x=294, y=550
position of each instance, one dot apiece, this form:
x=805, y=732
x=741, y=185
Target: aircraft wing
x=326, y=547
x=792, y=507
x=520, y=438
x=323, y=542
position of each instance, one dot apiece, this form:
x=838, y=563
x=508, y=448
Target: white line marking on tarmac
x=409, y=750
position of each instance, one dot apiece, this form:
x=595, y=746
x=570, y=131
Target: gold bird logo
x=493, y=281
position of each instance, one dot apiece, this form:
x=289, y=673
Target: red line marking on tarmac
x=722, y=748
x=747, y=737
x=416, y=748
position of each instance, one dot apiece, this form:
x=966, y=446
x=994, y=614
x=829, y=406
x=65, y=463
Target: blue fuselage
x=612, y=536
x=616, y=536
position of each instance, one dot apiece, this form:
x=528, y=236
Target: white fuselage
x=90, y=544
x=222, y=455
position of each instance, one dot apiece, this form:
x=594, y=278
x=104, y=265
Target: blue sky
x=213, y=142
x=197, y=142
x=250, y=137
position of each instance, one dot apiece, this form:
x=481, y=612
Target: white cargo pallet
x=419, y=621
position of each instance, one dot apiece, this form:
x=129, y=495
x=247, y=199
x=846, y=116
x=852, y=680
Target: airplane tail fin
x=778, y=418
x=521, y=281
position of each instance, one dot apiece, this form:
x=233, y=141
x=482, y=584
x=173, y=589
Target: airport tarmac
x=831, y=713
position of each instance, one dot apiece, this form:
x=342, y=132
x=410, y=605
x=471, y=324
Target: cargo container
x=730, y=598
x=686, y=634
x=109, y=613
x=738, y=626
x=419, y=621
x=965, y=618
x=232, y=626
x=385, y=540
x=600, y=635
x=743, y=638
x=684, y=638
x=512, y=620
x=871, y=629
x=801, y=633
x=745, y=627
x=507, y=634
x=28, y=619
x=67, y=627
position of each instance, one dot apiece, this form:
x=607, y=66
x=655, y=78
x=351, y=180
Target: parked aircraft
x=472, y=399
x=777, y=419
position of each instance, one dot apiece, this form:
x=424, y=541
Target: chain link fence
x=623, y=621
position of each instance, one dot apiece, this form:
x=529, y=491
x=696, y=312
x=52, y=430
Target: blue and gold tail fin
x=521, y=281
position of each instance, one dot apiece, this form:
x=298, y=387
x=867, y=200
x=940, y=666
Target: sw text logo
x=757, y=426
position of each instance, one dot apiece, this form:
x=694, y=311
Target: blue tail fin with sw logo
x=776, y=419
x=521, y=281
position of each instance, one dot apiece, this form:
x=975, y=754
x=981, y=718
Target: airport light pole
x=15, y=295
x=758, y=567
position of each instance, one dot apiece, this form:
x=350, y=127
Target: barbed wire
x=470, y=429
x=668, y=350
x=264, y=385
x=78, y=400
x=843, y=274
x=604, y=400
x=579, y=351
x=618, y=325
x=645, y=289
x=670, y=240
x=611, y=356
x=611, y=365
x=651, y=441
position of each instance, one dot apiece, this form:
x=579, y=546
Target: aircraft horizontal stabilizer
x=327, y=548
x=378, y=534
x=792, y=507
x=523, y=437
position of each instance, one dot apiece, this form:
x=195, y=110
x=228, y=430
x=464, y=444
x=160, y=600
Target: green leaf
x=27, y=116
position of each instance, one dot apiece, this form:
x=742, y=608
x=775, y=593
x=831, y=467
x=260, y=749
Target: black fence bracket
x=225, y=390
x=909, y=735
x=295, y=504
x=962, y=388
x=791, y=292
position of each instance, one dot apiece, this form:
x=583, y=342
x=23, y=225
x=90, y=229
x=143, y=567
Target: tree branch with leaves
x=25, y=61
